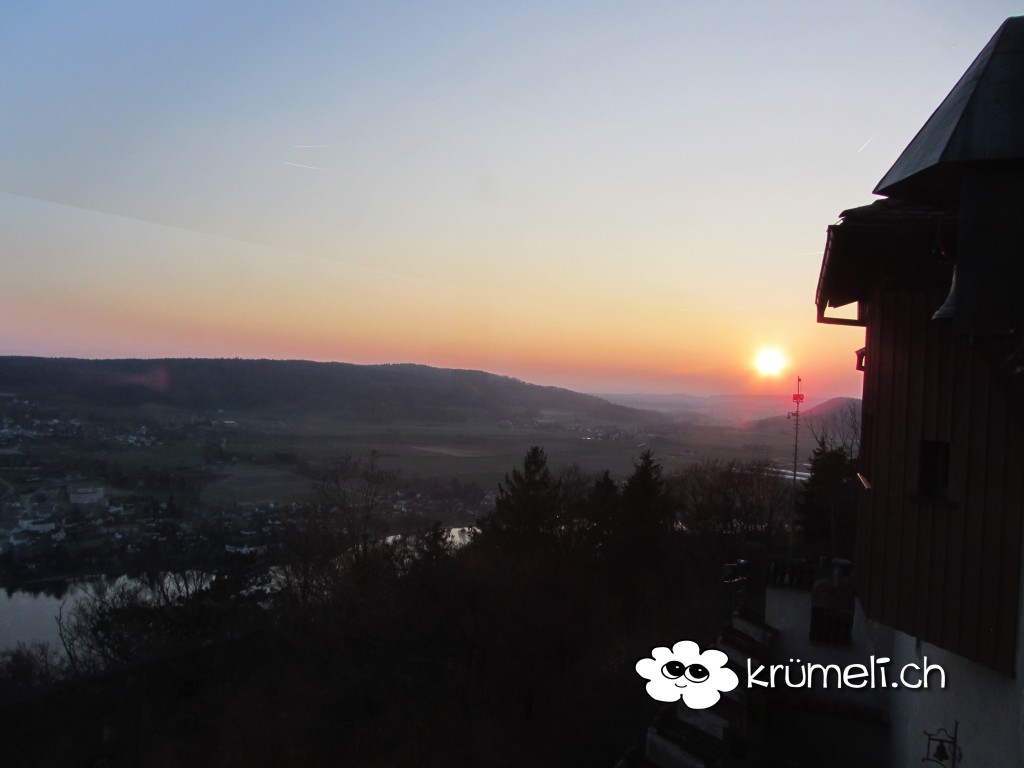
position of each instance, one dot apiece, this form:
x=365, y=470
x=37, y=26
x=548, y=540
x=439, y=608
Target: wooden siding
x=944, y=570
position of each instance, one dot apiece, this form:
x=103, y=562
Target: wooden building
x=937, y=273
x=936, y=270
x=942, y=447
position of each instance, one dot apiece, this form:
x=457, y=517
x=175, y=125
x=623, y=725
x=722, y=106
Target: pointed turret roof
x=982, y=119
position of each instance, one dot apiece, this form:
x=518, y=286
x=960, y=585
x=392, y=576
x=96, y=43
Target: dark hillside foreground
x=515, y=649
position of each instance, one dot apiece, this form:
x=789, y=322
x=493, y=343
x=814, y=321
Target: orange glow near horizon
x=683, y=363
x=185, y=294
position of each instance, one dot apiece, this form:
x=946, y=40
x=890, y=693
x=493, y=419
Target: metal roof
x=982, y=119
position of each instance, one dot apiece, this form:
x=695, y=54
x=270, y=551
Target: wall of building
x=942, y=566
x=986, y=704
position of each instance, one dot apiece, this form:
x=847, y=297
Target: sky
x=612, y=197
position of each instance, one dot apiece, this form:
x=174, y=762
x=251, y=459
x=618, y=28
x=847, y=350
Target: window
x=933, y=480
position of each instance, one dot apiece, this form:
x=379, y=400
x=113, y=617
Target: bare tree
x=839, y=427
x=29, y=666
x=762, y=500
x=99, y=630
x=169, y=588
x=116, y=621
x=722, y=505
x=353, y=494
x=343, y=529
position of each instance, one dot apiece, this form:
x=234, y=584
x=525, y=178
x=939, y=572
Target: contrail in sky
x=867, y=142
x=312, y=146
x=299, y=165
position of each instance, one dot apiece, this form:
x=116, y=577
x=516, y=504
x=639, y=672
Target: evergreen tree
x=829, y=502
x=603, y=504
x=526, y=511
x=644, y=505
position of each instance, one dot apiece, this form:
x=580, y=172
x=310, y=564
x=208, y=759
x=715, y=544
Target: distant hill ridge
x=832, y=408
x=361, y=392
x=744, y=411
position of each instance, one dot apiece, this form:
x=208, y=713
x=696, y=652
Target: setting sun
x=769, y=362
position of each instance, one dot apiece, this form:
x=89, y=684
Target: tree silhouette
x=603, y=511
x=829, y=502
x=526, y=511
x=642, y=499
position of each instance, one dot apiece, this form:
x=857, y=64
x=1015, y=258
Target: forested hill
x=378, y=393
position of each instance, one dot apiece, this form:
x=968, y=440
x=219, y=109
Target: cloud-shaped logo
x=683, y=672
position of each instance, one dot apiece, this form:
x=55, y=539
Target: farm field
x=261, y=457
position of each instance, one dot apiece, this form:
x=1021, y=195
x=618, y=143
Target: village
x=69, y=513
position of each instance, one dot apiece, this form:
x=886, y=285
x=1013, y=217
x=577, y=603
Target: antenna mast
x=797, y=398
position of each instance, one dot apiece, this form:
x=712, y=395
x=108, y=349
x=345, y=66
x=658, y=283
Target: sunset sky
x=613, y=197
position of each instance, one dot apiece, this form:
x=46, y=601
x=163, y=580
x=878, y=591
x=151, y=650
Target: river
x=28, y=613
x=31, y=616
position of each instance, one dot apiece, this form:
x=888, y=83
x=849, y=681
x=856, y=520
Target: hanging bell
x=948, y=308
